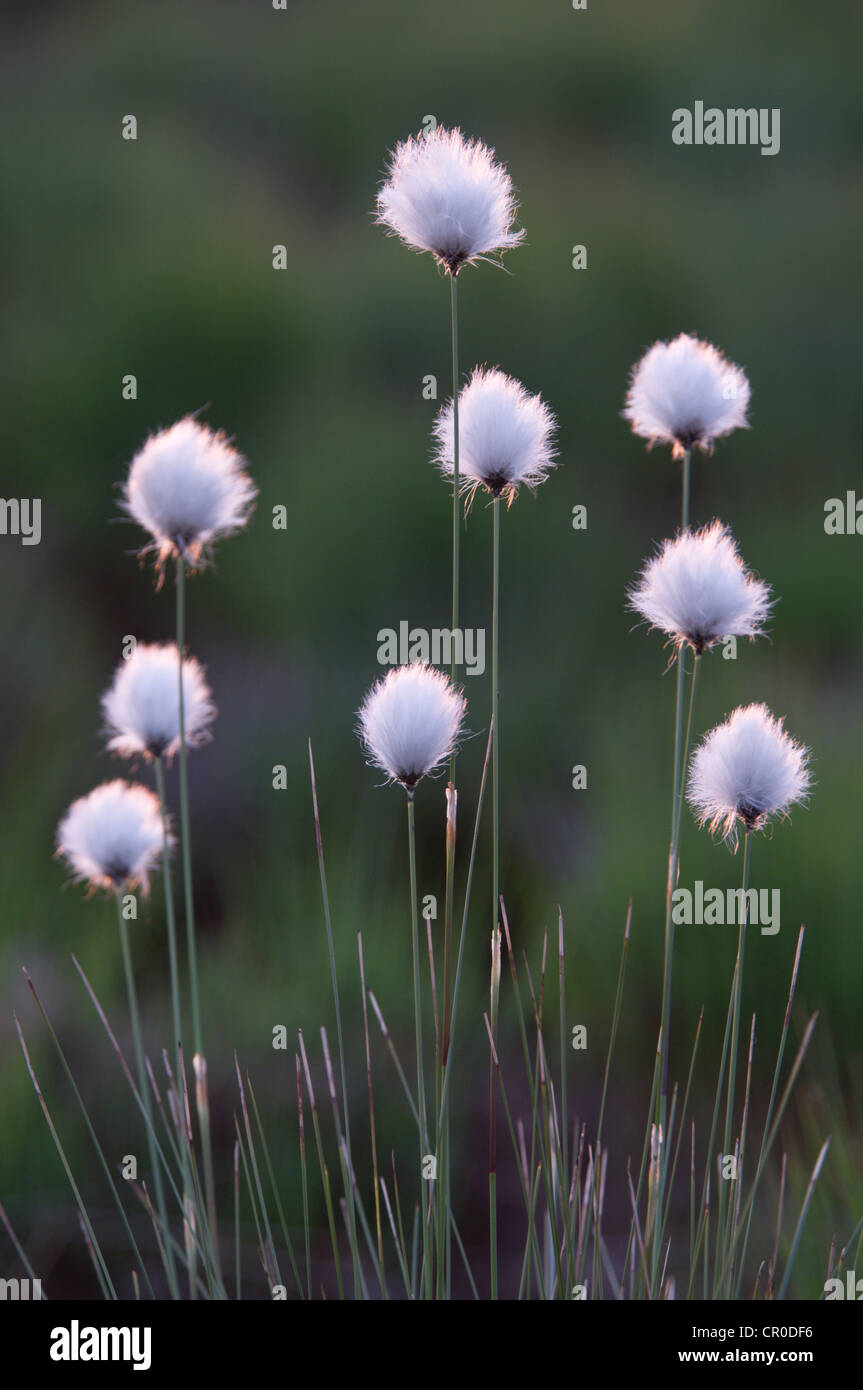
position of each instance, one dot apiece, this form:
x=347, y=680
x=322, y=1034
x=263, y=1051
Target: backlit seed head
x=505, y=436
x=410, y=721
x=142, y=704
x=188, y=487
x=112, y=838
x=746, y=771
x=685, y=393
x=698, y=590
x=446, y=194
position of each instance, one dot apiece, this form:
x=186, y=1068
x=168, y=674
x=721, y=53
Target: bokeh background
x=259, y=127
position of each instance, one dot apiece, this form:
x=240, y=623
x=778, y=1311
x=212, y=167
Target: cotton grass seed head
x=685, y=393
x=410, y=721
x=448, y=195
x=505, y=436
x=698, y=590
x=188, y=487
x=746, y=771
x=112, y=838
x=142, y=704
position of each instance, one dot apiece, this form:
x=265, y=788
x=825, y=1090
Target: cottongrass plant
x=746, y=771
x=409, y=723
x=448, y=195
x=687, y=394
x=112, y=840
x=698, y=591
x=507, y=442
x=188, y=487
x=142, y=704
x=142, y=716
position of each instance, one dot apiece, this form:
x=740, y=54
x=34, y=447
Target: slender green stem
x=349, y=1192
x=463, y=936
x=171, y=919
x=442, y=1137
x=143, y=1083
x=564, y=1123
x=238, y=1268
x=372, y=1127
x=769, y=1113
x=186, y=836
x=184, y=813
x=682, y=738
x=659, y=1098
x=494, y=1000
x=738, y=991
x=456, y=517
x=495, y=715
x=421, y=1095
x=735, y=1003
x=495, y=875
x=170, y=916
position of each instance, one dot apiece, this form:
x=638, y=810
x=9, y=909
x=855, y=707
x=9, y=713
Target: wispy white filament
x=142, y=704
x=448, y=195
x=698, y=590
x=686, y=393
x=505, y=435
x=747, y=770
x=188, y=487
x=112, y=838
x=410, y=721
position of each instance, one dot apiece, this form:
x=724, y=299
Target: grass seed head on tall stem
x=410, y=721
x=505, y=436
x=142, y=704
x=188, y=487
x=447, y=194
x=698, y=590
x=687, y=394
x=112, y=838
x=746, y=771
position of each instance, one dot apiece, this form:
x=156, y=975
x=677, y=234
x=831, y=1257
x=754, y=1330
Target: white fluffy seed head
x=188, y=487
x=505, y=435
x=448, y=195
x=142, y=704
x=747, y=770
x=698, y=590
x=686, y=393
x=410, y=721
x=112, y=838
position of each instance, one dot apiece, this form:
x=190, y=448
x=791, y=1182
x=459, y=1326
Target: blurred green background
x=259, y=127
